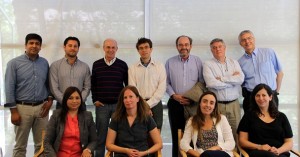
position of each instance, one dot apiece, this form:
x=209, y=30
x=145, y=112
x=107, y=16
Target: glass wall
x=275, y=24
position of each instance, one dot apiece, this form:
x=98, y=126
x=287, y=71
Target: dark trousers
x=214, y=153
x=262, y=153
x=177, y=121
x=58, y=105
x=247, y=99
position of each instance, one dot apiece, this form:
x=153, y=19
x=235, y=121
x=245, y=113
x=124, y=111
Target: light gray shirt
x=64, y=75
x=228, y=88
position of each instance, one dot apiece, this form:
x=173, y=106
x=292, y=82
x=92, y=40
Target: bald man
x=109, y=76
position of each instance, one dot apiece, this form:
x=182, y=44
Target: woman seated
x=209, y=131
x=71, y=130
x=264, y=131
x=131, y=125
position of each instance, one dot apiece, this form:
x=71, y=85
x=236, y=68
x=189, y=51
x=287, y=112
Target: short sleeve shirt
x=135, y=136
x=261, y=132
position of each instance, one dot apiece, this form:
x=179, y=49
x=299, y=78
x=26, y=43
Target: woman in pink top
x=71, y=130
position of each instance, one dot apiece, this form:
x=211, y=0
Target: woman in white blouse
x=208, y=130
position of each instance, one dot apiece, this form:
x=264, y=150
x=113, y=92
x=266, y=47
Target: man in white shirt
x=149, y=76
x=224, y=77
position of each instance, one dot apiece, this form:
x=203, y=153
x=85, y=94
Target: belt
x=31, y=103
x=226, y=102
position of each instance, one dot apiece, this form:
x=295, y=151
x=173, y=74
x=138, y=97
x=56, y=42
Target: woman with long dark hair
x=71, y=130
x=264, y=131
x=208, y=130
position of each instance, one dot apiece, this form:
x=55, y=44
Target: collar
x=109, y=63
x=37, y=57
x=255, y=51
x=66, y=59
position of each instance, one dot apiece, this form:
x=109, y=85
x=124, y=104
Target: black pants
x=177, y=121
x=214, y=153
x=247, y=99
x=262, y=153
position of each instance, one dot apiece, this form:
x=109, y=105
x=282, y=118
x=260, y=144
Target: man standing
x=69, y=71
x=224, y=77
x=183, y=72
x=149, y=76
x=260, y=65
x=27, y=94
x=109, y=76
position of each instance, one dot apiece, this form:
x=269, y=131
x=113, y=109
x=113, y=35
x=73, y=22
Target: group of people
x=131, y=98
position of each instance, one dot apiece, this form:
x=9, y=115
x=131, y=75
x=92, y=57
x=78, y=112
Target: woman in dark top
x=264, y=131
x=131, y=125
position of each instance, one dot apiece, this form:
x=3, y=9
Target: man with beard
x=183, y=72
x=69, y=71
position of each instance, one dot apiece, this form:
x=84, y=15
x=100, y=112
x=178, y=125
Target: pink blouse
x=70, y=141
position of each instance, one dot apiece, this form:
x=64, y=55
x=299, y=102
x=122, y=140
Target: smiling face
x=130, y=100
x=207, y=104
x=74, y=101
x=247, y=41
x=184, y=47
x=262, y=98
x=33, y=47
x=110, y=48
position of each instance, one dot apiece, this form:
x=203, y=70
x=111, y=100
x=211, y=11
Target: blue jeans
x=103, y=115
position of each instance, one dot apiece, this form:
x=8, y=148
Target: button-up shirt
x=182, y=75
x=64, y=75
x=261, y=66
x=26, y=80
x=150, y=81
x=228, y=87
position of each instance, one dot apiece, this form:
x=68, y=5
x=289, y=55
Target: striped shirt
x=108, y=81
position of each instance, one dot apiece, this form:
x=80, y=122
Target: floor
x=7, y=133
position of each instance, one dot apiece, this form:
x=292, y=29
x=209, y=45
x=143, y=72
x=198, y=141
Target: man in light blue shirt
x=259, y=65
x=27, y=94
x=183, y=72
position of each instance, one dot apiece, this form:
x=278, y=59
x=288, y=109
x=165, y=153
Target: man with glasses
x=183, y=72
x=260, y=65
x=149, y=76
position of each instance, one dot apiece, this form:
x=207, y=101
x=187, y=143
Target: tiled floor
x=7, y=131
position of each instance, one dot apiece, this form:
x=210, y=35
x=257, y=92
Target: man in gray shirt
x=69, y=71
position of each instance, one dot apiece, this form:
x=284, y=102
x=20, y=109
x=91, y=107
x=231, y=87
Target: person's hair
x=217, y=40
x=110, y=40
x=34, y=36
x=64, y=110
x=142, y=106
x=190, y=39
x=198, y=119
x=245, y=32
x=71, y=38
x=143, y=41
x=273, y=110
